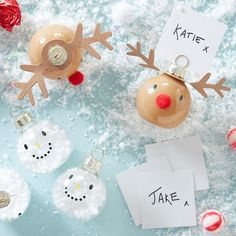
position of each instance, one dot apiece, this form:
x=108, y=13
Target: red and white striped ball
x=212, y=221
x=231, y=136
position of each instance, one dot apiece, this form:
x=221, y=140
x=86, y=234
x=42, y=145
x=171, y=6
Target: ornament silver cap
x=92, y=164
x=57, y=55
x=21, y=117
x=4, y=199
x=178, y=69
x=23, y=120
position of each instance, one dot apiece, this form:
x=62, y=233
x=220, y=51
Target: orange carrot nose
x=163, y=101
x=77, y=78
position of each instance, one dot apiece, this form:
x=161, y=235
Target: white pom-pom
x=123, y=13
x=14, y=195
x=79, y=193
x=43, y=147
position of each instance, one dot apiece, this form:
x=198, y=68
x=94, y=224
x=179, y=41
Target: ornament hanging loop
x=179, y=69
x=99, y=153
x=20, y=116
x=185, y=61
x=93, y=163
x=15, y=111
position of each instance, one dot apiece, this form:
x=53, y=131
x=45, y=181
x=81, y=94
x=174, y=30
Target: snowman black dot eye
x=90, y=187
x=26, y=147
x=154, y=86
x=44, y=133
x=181, y=97
x=71, y=176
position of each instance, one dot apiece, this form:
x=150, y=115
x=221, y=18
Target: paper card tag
x=185, y=153
x=191, y=34
x=166, y=199
x=127, y=181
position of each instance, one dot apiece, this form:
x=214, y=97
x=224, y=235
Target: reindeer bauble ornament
x=164, y=100
x=56, y=52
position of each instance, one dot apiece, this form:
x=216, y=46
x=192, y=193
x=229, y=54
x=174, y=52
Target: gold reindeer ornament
x=165, y=100
x=56, y=52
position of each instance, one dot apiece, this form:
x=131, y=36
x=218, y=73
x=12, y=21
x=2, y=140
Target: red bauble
x=77, y=78
x=212, y=221
x=10, y=14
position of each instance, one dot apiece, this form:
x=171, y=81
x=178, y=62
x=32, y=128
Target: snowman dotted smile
x=43, y=147
x=37, y=145
x=76, y=186
x=79, y=193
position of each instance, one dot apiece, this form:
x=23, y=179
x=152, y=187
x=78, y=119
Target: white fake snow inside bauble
x=122, y=13
x=16, y=187
x=43, y=147
x=79, y=193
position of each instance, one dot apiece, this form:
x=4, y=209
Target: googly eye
x=26, y=147
x=71, y=176
x=90, y=187
x=44, y=133
x=152, y=89
x=181, y=97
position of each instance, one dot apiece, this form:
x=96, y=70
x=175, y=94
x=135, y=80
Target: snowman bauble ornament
x=42, y=146
x=14, y=195
x=164, y=100
x=80, y=192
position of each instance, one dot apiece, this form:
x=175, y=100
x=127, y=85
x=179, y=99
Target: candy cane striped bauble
x=212, y=221
x=231, y=136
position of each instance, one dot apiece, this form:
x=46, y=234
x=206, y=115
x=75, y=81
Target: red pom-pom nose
x=77, y=78
x=163, y=101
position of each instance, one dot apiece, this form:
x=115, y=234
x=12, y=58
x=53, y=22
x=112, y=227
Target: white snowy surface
x=102, y=112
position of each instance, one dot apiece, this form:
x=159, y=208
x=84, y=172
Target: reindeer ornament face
x=165, y=100
x=56, y=52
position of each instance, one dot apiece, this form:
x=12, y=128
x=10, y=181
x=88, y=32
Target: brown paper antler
x=78, y=41
x=201, y=84
x=137, y=53
x=27, y=87
x=47, y=66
